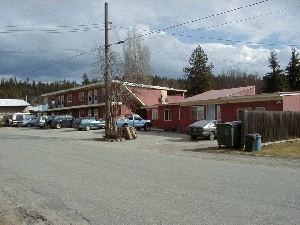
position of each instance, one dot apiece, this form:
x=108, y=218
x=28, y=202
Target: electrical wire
x=162, y=30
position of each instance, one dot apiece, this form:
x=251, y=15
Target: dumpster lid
x=237, y=122
x=232, y=123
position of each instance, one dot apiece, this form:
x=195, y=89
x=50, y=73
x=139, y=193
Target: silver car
x=203, y=128
x=40, y=121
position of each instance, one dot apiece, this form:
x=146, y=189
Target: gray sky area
x=46, y=40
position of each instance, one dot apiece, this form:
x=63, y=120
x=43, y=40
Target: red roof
x=215, y=94
x=151, y=96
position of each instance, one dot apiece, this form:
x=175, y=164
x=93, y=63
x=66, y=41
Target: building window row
x=60, y=100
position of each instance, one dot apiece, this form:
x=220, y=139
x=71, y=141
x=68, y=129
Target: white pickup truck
x=134, y=120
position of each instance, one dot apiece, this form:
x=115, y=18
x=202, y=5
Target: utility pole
x=108, y=125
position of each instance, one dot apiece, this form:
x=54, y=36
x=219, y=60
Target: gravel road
x=70, y=177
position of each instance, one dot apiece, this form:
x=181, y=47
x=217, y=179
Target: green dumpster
x=229, y=134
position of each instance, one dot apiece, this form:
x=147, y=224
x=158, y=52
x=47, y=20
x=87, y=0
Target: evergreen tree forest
x=277, y=80
x=14, y=89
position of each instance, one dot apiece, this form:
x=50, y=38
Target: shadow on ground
x=217, y=150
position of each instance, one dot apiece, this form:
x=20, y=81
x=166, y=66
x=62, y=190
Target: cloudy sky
x=47, y=40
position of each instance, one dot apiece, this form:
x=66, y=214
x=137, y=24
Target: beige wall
x=12, y=109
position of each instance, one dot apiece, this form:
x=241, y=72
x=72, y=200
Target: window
x=96, y=113
x=136, y=117
x=168, y=114
x=69, y=98
x=58, y=101
x=210, y=112
x=154, y=114
x=197, y=112
x=90, y=97
x=62, y=100
x=89, y=112
x=52, y=101
x=81, y=113
x=95, y=96
x=261, y=108
x=218, y=112
x=81, y=96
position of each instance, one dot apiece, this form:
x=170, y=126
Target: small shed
x=10, y=106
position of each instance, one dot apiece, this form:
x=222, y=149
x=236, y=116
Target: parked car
x=88, y=123
x=203, y=128
x=28, y=122
x=61, y=121
x=40, y=121
x=18, y=117
x=134, y=120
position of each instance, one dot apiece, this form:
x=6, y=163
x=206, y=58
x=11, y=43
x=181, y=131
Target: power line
x=84, y=27
x=51, y=29
x=226, y=23
x=157, y=31
x=203, y=18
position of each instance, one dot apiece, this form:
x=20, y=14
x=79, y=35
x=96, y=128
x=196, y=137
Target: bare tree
x=119, y=93
x=137, y=67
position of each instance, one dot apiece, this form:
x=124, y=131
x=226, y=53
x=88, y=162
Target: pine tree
x=275, y=81
x=85, y=79
x=293, y=71
x=198, y=75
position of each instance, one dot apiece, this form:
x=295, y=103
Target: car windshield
x=201, y=123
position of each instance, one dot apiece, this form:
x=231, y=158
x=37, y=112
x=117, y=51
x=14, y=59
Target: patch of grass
x=283, y=149
x=288, y=149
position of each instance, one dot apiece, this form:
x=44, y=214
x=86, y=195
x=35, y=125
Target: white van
x=17, y=117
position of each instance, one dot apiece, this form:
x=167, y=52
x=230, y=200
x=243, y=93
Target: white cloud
x=245, y=44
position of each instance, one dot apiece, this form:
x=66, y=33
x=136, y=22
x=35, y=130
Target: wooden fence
x=271, y=125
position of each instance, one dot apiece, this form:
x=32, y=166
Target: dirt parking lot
x=46, y=174
x=156, y=140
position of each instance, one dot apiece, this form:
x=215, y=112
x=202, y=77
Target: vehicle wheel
x=138, y=128
x=28, y=125
x=125, y=125
x=193, y=137
x=58, y=126
x=87, y=128
x=211, y=136
x=147, y=127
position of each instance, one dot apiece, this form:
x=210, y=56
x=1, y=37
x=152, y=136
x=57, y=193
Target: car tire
x=147, y=127
x=211, y=136
x=58, y=126
x=87, y=128
x=193, y=137
x=28, y=125
x=138, y=128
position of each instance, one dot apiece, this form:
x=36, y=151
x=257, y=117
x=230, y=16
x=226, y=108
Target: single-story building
x=223, y=105
x=10, y=106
